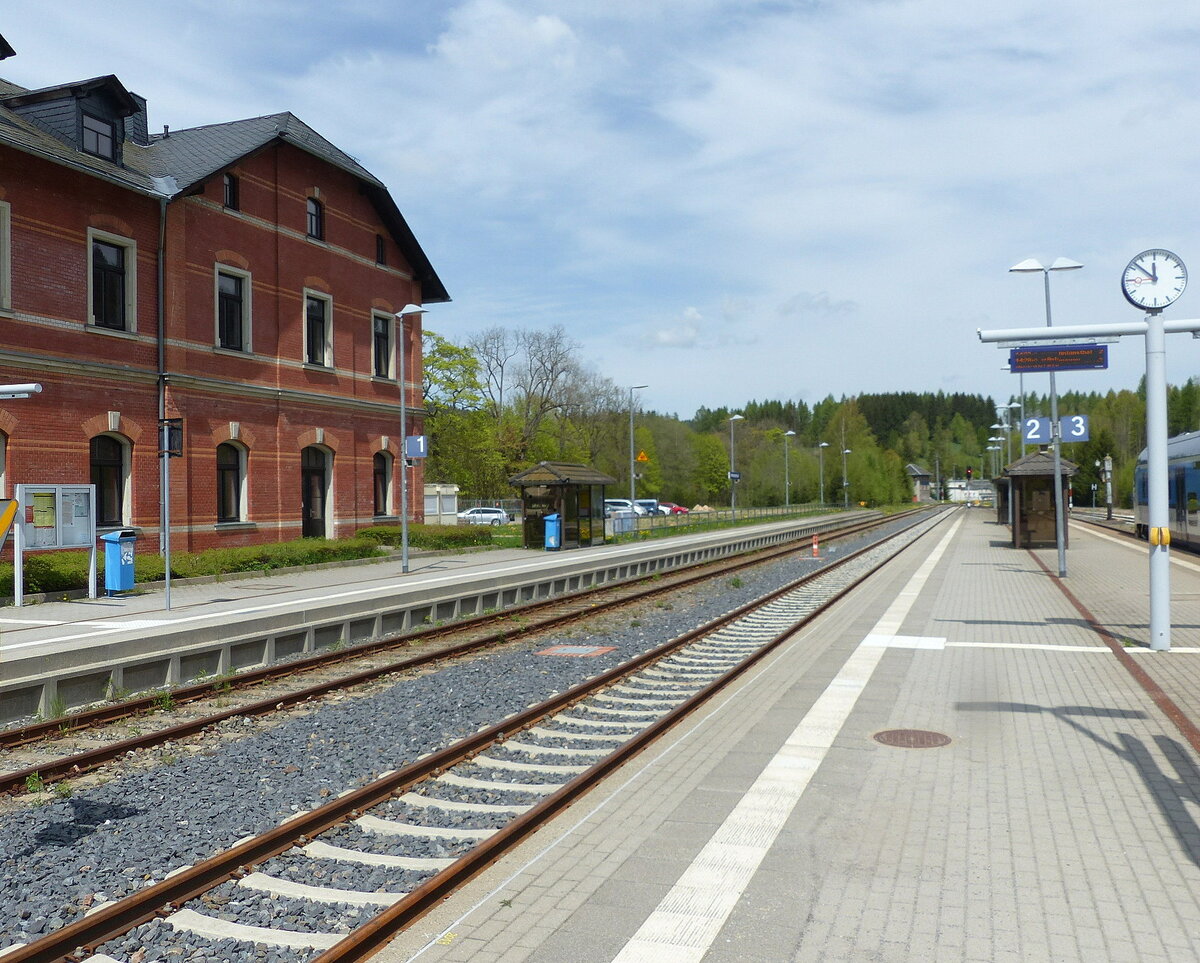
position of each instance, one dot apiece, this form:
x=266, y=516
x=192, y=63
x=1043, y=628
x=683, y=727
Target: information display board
x=56, y=516
x=1058, y=357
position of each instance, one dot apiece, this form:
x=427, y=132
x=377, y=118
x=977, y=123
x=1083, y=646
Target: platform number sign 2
x=1036, y=431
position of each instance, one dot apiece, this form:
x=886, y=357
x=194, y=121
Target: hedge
x=52, y=572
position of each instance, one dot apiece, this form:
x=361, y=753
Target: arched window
x=231, y=476
x=316, y=219
x=110, y=469
x=383, y=483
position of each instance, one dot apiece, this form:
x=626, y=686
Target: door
x=314, y=485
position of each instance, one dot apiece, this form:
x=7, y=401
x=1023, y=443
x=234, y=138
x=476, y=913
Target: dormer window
x=98, y=137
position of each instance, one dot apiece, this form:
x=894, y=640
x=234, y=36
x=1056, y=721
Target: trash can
x=553, y=533
x=118, y=560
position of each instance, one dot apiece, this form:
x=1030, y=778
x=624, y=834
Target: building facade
x=243, y=278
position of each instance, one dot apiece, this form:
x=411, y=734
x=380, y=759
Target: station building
x=243, y=277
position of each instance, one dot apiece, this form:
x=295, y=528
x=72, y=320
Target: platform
x=1060, y=822
x=61, y=655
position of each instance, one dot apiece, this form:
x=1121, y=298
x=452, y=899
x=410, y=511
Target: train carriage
x=1183, y=491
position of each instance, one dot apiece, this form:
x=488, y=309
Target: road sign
x=735, y=476
x=642, y=456
x=1058, y=357
x=416, y=446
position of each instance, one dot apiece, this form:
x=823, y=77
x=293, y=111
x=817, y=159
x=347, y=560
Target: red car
x=670, y=508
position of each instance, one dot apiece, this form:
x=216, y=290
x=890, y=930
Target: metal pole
x=1156, y=470
x=403, y=460
x=164, y=454
x=1056, y=442
x=1108, y=484
x=787, y=480
x=632, y=481
x=732, y=480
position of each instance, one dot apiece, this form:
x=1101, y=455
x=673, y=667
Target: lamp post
x=845, y=480
x=402, y=377
x=821, y=464
x=787, y=480
x=632, y=479
x=732, y=469
x=1032, y=266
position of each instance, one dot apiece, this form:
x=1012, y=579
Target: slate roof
x=5, y=49
x=1040, y=463
x=560, y=473
x=172, y=163
x=916, y=471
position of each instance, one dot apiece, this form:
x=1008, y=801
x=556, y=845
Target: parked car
x=622, y=505
x=670, y=508
x=484, y=516
x=650, y=504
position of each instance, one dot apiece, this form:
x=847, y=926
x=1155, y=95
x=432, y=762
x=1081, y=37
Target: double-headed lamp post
x=821, y=468
x=787, y=480
x=632, y=477
x=1033, y=266
x=732, y=469
x=402, y=378
x=845, y=480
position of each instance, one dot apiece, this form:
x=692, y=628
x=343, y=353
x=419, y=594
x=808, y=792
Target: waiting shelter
x=574, y=492
x=1031, y=487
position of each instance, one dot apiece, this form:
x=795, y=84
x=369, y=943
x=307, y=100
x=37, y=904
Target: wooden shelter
x=1029, y=482
x=574, y=492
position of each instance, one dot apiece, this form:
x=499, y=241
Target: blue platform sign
x=416, y=446
x=1036, y=431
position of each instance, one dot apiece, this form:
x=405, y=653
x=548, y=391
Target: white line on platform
x=690, y=916
x=1142, y=549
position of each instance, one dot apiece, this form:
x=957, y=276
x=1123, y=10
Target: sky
x=724, y=200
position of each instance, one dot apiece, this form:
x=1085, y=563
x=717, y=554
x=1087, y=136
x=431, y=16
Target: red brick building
x=243, y=277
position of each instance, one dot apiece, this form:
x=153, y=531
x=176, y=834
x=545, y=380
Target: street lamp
x=1032, y=266
x=845, y=480
x=821, y=463
x=632, y=480
x=402, y=377
x=787, y=481
x=732, y=471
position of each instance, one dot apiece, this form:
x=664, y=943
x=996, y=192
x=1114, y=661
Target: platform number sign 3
x=1036, y=431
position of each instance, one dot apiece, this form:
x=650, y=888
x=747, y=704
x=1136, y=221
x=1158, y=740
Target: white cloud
x=781, y=197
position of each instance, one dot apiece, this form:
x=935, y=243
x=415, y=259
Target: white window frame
x=328, y=299
x=6, y=256
x=243, y=508
x=130, y=246
x=247, y=307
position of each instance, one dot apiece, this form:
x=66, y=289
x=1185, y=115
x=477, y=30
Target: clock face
x=1154, y=279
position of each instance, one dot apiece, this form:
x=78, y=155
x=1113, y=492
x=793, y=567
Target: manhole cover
x=912, y=738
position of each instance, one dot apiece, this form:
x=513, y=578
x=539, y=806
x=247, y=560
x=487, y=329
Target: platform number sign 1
x=416, y=446
x=1036, y=431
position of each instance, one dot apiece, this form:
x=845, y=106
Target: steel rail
x=160, y=899
x=180, y=695
x=79, y=763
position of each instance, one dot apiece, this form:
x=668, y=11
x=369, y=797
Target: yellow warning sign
x=8, y=511
x=642, y=456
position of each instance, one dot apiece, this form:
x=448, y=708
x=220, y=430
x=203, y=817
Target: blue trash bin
x=118, y=560
x=553, y=533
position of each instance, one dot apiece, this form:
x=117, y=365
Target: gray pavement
x=1062, y=822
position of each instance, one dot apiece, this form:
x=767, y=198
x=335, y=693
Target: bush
x=430, y=536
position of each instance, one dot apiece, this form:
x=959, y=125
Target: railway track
x=302, y=681
x=371, y=860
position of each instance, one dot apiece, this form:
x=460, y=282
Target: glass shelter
x=574, y=492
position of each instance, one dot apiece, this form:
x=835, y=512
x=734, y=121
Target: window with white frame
x=5, y=256
x=110, y=475
x=112, y=281
x=318, y=329
x=233, y=301
x=382, y=474
x=231, y=483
